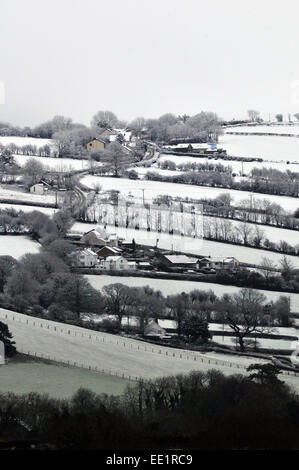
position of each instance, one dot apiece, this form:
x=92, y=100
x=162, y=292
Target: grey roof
x=177, y=259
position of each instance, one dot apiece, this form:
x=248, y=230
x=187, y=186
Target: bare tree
x=104, y=120
x=258, y=236
x=267, y=266
x=116, y=158
x=245, y=232
x=33, y=171
x=253, y=115
x=287, y=268
x=226, y=229
x=244, y=314
x=279, y=117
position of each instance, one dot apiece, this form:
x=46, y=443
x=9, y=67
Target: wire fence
x=133, y=345
x=81, y=365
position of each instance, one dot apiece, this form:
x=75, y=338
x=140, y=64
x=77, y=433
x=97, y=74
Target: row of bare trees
x=246, y=312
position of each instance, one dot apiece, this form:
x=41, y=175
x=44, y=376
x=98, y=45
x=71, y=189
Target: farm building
x=93, y=238
x=96, y=144
x=108, y=251
x=153, y=330
x=106, y=133
x=188, y=147
x=84, y=258
x=176, y=262
x=117, y=263
x=217, y=263
x=99, y=237
x=145, y=266
x=38, y=188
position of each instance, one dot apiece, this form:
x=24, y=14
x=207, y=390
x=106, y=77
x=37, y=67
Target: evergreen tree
x=6, y=338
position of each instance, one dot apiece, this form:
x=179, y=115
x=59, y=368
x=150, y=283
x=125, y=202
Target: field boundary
x=133, y=345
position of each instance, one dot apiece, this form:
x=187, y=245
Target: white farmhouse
x=85, y=258
x=117, y=263
x=38, y=189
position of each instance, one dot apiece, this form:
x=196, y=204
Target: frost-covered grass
x=142, y=171
x=237, y=167
x=155, y=188
x=17, y=245
x=111, y=352
x=19, y=207
x=55, y=164
x=270, y=129
x=170, y=287
x=267, y=343
x=56, y=380
x=24, y=196
x=272, y=148
x=21, y=141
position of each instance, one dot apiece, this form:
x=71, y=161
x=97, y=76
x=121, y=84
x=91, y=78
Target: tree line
x=246, y=312
x=278, y=186
x=71, y=138
x=200, y=410
x=251, y=210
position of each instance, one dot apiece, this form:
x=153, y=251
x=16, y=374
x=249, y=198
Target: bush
x=57, y=312
x=111, y=326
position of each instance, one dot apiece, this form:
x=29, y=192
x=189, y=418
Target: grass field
x=59, y=381
x=113, y=354
x=155, y=188
x=17, y=245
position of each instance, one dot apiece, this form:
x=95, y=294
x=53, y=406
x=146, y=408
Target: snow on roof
x=110, y=248
x=203, y=145
x=218, y=259
x=90, y=251
x=152, y=328
x=177, y=259
x=114, y=258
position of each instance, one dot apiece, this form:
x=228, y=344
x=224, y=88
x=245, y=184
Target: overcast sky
x=147, y=57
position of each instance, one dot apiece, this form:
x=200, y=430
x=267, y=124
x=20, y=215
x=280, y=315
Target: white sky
x=147, y=57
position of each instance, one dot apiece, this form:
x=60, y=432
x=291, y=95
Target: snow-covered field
x=273, y=343
x=267, y=343
x=142, y=171
x=270, y=129
x=21, y=141
x=272, y=148
x=52, y=163
x=19, y=207
x=17, y=245
x=22, y=196
x=237, y=167
x=155, y=188
x=170, y=287
x=56, y=380
x=55, y=164
x=114, y=353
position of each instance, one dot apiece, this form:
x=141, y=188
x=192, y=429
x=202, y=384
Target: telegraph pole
x=143, y=189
